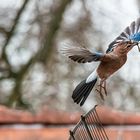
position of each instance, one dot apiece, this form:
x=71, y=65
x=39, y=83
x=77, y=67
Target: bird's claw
x=101, y=95
x=102, y=86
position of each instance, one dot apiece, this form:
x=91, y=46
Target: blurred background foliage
x=33, y=72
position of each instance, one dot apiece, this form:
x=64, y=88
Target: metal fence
x=89, y=128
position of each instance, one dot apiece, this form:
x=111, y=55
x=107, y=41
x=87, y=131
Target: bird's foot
x=101, y=95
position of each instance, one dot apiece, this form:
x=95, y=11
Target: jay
x=110, y=61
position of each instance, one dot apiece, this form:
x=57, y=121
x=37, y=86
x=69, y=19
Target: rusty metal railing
x=89, y=128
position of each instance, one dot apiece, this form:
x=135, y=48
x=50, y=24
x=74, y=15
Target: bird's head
x=129, y=44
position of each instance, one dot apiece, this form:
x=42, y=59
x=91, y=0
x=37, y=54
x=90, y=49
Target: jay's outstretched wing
x=81, y=55
x=131, y=32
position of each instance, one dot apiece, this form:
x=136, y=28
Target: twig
x=57, y=16
x=12, y=31
x=4, y=31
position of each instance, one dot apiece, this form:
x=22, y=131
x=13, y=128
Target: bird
x=110, y=61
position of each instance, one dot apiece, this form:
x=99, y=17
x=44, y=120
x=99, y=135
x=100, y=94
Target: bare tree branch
x=4, y=31
x=46, y=49
x=12, y=31
x=41, y=55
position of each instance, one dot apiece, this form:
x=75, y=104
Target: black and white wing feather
x=81, y=55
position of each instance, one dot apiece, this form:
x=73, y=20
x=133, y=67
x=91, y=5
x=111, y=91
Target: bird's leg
x=100, y=89
x=102, y=85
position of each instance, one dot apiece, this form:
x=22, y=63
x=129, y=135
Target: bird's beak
x=135, y=43
x=138, y=47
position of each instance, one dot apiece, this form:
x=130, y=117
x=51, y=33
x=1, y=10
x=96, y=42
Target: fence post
x=88, y=131
x=71, y=134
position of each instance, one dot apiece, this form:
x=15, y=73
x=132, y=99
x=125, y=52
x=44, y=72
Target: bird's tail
x=83, y=90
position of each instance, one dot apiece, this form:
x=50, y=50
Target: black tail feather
x=79, y=97
x=78, y=89
x=86, y=95
x=82, y=91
